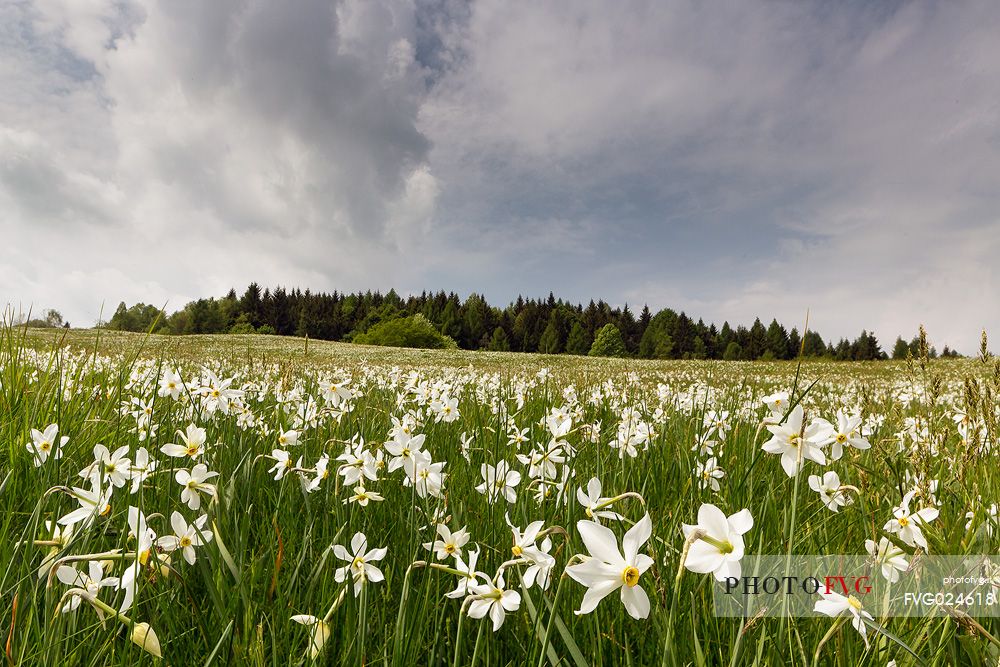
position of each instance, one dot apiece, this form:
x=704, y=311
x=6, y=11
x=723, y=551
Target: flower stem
x=829, y=633
x=552, y=614
x=696, y=534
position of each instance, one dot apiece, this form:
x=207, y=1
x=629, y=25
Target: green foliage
x=551, y=341
x=242, y=326
x=608, y=343
x=270, y=554
x=548, y=325
x=777, y=342
x=499, y=342
x=579, y=340
x=733, y=352
x=140, y=318
x=414, y=331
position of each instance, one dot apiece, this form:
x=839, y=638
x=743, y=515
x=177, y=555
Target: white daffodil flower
x=776, y=403
x=709, y=473
x=830, y=491
x=404, y=450
x=359, y=560
x=449, y=543
x=363, y=496
x=170, y=384
x=908, y=524
x=195, y=483
x=426, y=478
x=44, y=444
x=499, y=482
x=145, y=539
x=494, y=600
x=186, y=536
x=795, y=444
x=282, y=463
x=525, y=547
x=846, y=433
x=835, y=604
x=91, y=581
x=93, y=503
x=321, y=474
x=889, y=557
x=469, y=577
x=609, y=569
x=358, y=462
x=720, y=547
x=193, y=439
x=141, y=469
x=593, y=502
x=114, y=467
x=217, y=395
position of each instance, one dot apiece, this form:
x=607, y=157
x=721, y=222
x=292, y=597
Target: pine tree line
x=550, y=326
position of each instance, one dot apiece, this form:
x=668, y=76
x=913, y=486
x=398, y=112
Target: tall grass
x=270, y=557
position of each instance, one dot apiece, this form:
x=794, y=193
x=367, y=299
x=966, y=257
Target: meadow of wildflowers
x=252, y=500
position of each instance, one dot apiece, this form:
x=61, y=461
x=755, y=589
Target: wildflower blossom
x=720, y=547
x=609, y=569
x=359, y=559
x=44, y=444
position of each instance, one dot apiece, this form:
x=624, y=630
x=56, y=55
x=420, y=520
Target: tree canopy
x=549, y=325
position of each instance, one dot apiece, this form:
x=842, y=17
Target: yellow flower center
x=854, y=602
x=185, y=541
x=106, y=510
x=216, y=393
x=904, y=521
x=630, y=575
x=841, y=438
x=516, y=550
x=192, y=450
x=45, y=446
x=449, y=548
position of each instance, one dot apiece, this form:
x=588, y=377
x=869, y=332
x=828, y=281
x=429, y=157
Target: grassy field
x=483, y=453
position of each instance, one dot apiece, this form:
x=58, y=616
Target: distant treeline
x=550, y=326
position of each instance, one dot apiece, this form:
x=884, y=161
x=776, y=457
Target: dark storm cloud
x=734, y=160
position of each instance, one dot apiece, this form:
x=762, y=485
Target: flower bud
x=144, y=637
x=320, y=633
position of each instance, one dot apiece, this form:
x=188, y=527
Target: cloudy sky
x=731, y=159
